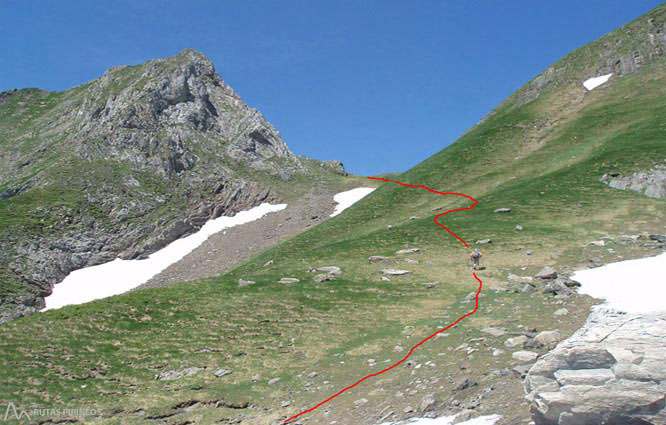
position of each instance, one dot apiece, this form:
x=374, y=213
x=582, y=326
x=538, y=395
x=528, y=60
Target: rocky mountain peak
x=158, y=113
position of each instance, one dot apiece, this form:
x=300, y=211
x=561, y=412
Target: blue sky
x=378, y=84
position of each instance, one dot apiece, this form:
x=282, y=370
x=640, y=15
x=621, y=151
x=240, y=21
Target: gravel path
x=228, y=248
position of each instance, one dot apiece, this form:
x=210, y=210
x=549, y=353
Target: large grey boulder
x=611, y=371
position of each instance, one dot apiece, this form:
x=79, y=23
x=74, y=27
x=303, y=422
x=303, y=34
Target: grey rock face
x=650, y=183
x=646, y=36
x=612, y=370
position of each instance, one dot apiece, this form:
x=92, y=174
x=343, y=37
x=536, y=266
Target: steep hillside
x=125, y=164
x=541, y=153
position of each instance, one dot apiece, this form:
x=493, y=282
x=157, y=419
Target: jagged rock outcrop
x=650, y=183
x=611, y=371
x=127, y=163
x=622, y=52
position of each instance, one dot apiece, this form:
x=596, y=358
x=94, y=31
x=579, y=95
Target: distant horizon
x=343, y=81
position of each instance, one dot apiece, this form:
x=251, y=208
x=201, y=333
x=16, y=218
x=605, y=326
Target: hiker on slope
x=476, y=258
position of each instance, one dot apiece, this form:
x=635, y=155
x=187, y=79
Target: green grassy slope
x=543, y=159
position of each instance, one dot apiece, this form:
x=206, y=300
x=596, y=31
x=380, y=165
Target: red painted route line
x=476, y=306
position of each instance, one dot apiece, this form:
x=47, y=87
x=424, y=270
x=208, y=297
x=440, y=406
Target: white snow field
x=632, y=286
x=595, y=82
x=118, y=276
x=350, y=197
x=448, y=420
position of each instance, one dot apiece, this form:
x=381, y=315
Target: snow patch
x=595, y=82
x=448, y=420
x=349, y=198
x=118, y=276
x=632, y=286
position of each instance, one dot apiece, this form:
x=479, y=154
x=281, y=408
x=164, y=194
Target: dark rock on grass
x=464, y=384
x=658, y=238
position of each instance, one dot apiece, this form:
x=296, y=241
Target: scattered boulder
x=561, y=312
x=395, y=272
x=529, y=252
x=483, y=241
x=269, y=263
x=516, y=341
x=464, y=384
x=548, y=338
x=522, y=370
x=242, y=282
x=503, y=210
x=494, y=331
x=323, y=277
x=546, y=273
x=360, y=402
x=560, y=286
x=611, y=371
x=273, y=381
x=463, y=416
x=518, y=228
x=333, y=270
x=525, y=356
x=427, y=402
x=289, y=280
x=408, y=251
x=171, y=375
x=222, y=372
x=377, y=259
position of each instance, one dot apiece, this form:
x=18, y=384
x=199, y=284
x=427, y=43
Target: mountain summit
x=124, y=164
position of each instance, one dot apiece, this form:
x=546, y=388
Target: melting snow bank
x=120, y=276
x=449, y=420
x=595, y=82
x=349, y=198
x=632, y=286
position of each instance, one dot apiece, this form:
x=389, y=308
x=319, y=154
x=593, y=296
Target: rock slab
x=611, y=371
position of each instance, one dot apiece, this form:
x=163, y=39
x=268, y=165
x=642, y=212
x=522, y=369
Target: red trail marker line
x=476, y=306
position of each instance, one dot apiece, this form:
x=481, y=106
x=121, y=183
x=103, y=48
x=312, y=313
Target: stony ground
x=229, y=247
